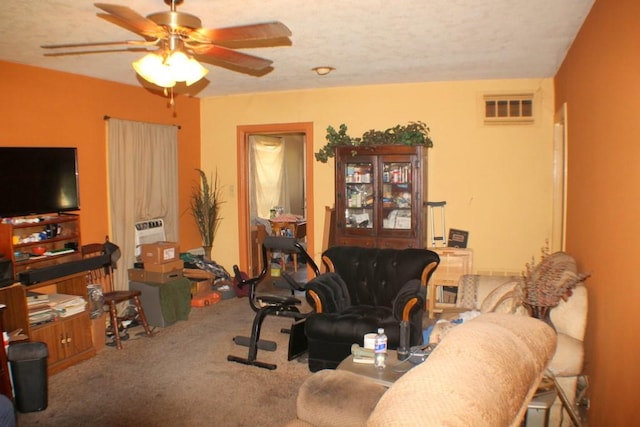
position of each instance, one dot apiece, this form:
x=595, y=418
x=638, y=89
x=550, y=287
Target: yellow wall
x=497, y=180
x=599, y=81
x=48, y=108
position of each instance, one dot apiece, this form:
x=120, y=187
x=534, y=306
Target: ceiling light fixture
x=170, y=65
x=165, y=70
x=323, y=71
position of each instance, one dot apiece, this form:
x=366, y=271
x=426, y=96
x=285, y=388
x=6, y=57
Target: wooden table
x=393, y=370
x=289, y=228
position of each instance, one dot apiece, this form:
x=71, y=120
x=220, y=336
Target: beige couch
x=483, y=373
x=499, y=294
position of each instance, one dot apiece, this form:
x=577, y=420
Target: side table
x=386, y=376
x=537, y=414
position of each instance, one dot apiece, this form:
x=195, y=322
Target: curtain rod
x=106, y=117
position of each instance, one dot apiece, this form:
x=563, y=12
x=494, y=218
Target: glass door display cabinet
x=379, y=196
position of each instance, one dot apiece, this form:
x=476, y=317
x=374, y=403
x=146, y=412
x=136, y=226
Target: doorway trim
x=242, y=137
x=560, y=169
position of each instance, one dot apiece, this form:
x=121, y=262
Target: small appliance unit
x=149, y=231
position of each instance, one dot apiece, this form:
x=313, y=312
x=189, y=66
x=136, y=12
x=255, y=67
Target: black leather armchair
x=365, y=289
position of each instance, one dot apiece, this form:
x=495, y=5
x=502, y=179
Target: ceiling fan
x=180, y=40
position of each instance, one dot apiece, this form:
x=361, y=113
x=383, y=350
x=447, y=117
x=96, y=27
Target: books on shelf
x=34, y=298
x=46, y=307
x=67, y=305
x=37, y=319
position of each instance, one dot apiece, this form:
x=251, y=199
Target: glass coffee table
x=393, y=370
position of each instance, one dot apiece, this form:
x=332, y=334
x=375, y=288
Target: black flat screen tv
x=38, y=180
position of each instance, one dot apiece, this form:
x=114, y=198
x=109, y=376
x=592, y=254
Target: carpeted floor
x=179, y=377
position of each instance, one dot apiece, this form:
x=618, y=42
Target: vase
x=207, y=252
x=542, y=312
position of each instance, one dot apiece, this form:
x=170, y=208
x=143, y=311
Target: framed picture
x=458, y=238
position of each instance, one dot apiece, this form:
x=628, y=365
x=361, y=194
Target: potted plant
x=205, y=208
x=414, y=133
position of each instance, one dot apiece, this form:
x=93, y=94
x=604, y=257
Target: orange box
x=166, y=267
x=204, y=299
x=159, y=252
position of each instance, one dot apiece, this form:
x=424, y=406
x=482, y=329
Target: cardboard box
x=167, y=267
x=199, y=286
x=159, y=252
x=140, y=275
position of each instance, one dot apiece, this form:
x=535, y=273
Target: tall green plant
x=205, y=207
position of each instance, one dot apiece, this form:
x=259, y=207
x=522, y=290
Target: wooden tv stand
x=17, y=240
x=68, y=339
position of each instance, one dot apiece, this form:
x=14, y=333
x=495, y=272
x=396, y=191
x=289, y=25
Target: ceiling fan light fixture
x=153, y=69
x=185, y=69
x=323, y=70
x=177, y=67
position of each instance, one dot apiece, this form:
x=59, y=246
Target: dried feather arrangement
x=205, y=208
x=549, y=281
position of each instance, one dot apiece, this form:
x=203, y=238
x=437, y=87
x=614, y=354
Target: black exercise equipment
x=274, y=305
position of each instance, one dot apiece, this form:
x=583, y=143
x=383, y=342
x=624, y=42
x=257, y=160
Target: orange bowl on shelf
x=39, y=250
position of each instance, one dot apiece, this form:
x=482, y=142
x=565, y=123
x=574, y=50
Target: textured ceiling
x=367, y=41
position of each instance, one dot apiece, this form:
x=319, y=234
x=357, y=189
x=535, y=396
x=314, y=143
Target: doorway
x=298, y=185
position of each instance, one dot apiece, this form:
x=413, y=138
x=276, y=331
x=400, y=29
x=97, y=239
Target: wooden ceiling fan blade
x=89, y=52
x=231, y=57
x=130, y=20
x=74, y=45
x=211, y=60
x=243, y=33
x=251, y=44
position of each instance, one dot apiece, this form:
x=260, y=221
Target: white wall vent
x=149, y=231
x=508, y=109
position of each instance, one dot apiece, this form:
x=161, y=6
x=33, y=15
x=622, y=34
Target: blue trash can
x=28, y=363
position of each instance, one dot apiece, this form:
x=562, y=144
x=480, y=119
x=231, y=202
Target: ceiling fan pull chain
x=172, y=102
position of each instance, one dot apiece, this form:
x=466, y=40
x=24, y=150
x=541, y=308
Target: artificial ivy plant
x=414, y=133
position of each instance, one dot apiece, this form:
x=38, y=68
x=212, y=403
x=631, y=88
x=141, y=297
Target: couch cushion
x=502, y=299
x=567, y=361
x=351, y=324
x=473, y=289
x=337, y=398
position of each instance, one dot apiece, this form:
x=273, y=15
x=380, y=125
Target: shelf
x=54, y=232
x=47, y=221
x=36, y=259
x=379, y=192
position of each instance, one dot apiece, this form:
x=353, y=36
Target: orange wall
x=600, y=82
x=48, y=108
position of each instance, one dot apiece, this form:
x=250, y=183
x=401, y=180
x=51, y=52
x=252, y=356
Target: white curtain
x=143, y=184
x=269, y=185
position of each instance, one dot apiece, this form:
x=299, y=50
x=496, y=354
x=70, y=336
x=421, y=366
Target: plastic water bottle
x=380, y=350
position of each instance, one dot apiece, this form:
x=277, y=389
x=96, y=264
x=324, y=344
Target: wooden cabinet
x=380, y=192
x=68, y=339
x=58, y=234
